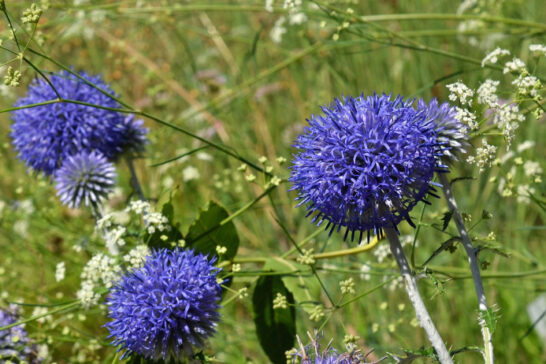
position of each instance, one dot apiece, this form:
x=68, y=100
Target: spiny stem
x=421, y=312
x=474, y=266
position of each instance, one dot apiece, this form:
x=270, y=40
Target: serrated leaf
x=490, y=318
x=449, y=245
x=412, y=355
x=207, y=232
x=446, y=219
x=275, y=328
x=168, y=211
x=305, y=288
x=464, y=178
x=438, y=284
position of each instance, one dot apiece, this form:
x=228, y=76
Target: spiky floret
x=313, y=354
x=166, y=308
x=452, y=134
x=45, y=135
x=15, y=345
x=365, y=163
x=85, y=177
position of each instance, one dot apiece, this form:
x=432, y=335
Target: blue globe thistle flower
x=167, y=307
x=313, y=354
x=84, y=177
x=365, y=163
x=15, y=344
x=451, y=132
x=44, y=136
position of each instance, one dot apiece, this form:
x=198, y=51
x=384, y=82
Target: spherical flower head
x=365, y=163
x=452, y=134
x=45, y=135
x=167, y=307
x=135, y=134
x=85, y=177
x=15, y=344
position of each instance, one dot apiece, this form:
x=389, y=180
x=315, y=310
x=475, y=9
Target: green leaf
x=490, y=317
x=448, y=245
x=207, y=232
x=276, y=329
x=446, y=219
x=304, y=287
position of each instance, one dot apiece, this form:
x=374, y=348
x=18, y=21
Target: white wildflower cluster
x=484, y=155
x=221, y=250
x=280, y=302
x=136, y=256
x=60, y=271
x=538, y=48
x=114, y=239
x=317, y=313
x=524, y=193
x=527, y=85
x=295, y=16
x=459, y=91
x=105, y=222
x=532, y=168
x=527, y=144
x=41, y=311
x=487, y=93
x=493, y=56
x=468, y=29
x=100, y=271
x=140, y=207
x=364, y=272
x=507, y=118
x=190, y=173
x=515, y=65
x=407, y=240
x=467, y=117
x=520, y=180
x=381, y=252
x=295, y=13
x=278, y=30
x=347, y=286
x=306, y=257
x=12, y=77
x=396, y=283
x=32, y=14
x=466, y=5
x=154, y=221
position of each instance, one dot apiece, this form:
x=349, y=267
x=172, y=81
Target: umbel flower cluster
x=167, y=307
x=15, y=345
x=367, y=161
x=46, y=136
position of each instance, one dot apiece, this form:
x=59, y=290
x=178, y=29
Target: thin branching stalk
x=425, y=321
x=474, y=267
x=134, y=178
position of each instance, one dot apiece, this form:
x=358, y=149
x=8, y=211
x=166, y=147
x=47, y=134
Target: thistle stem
x=421, y=312
x=488, y=353
x=134, y=178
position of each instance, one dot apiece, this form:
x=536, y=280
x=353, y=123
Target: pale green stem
x=134, y=178
x=410, y=283
x=474, y=266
